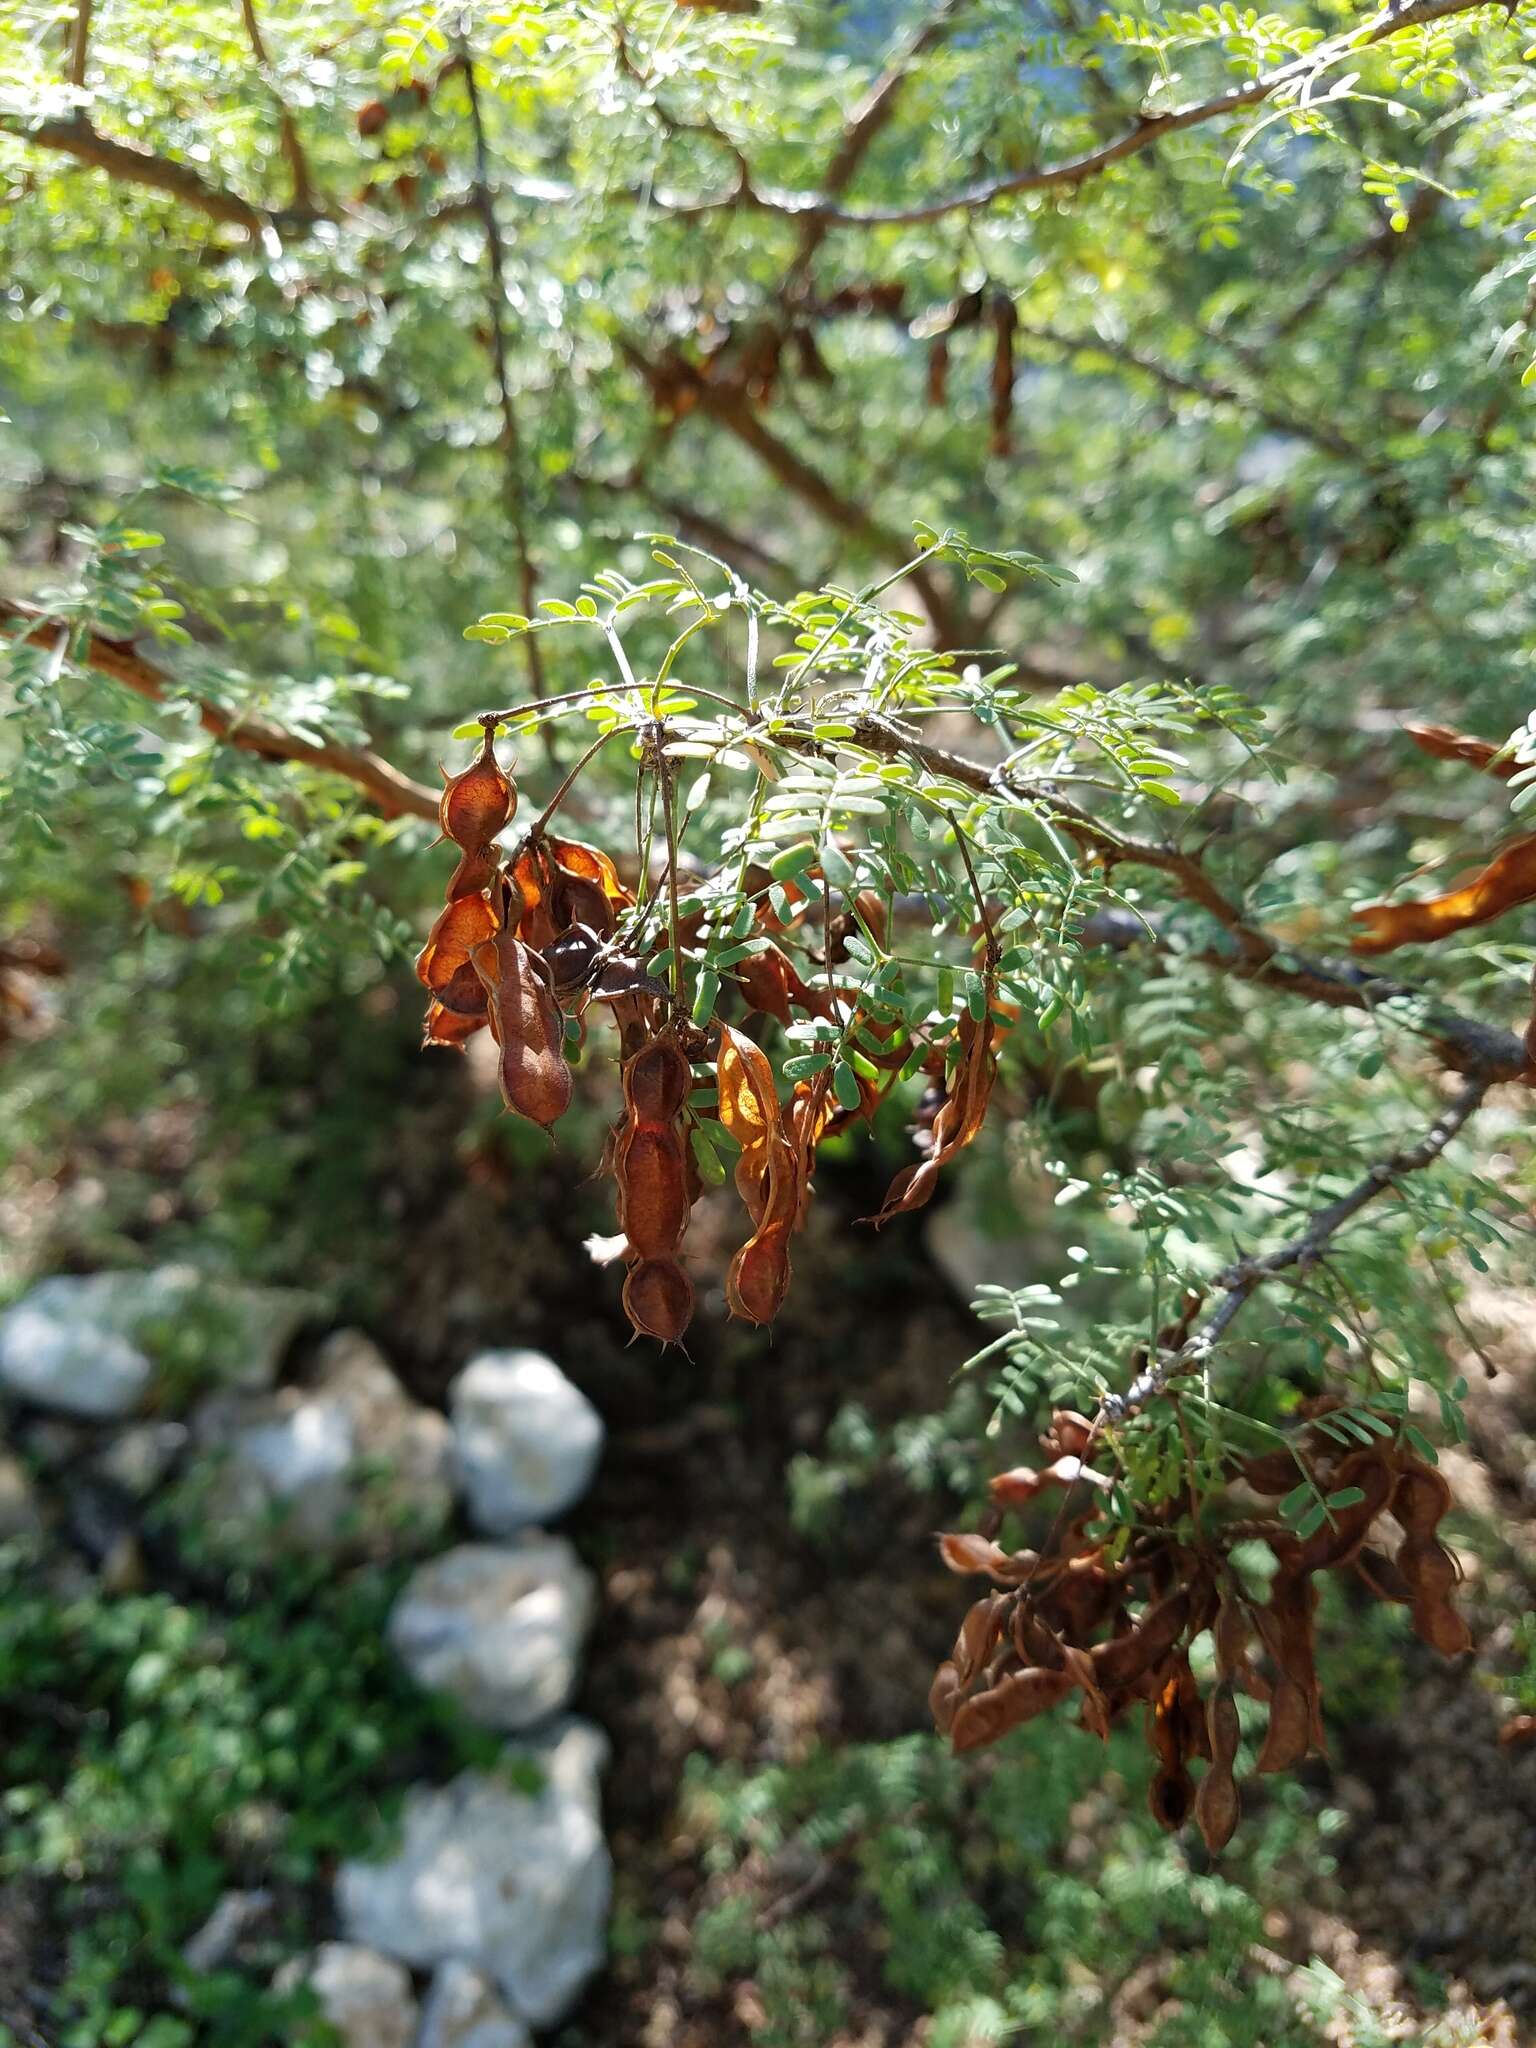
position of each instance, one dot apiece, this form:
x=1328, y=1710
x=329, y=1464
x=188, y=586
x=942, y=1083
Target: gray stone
x=525, y=1440
x=348, y=1465
x=463, y=2009
x=512, y=1877
x=498, y=1627
x=93, y=1344
x=366, y=1997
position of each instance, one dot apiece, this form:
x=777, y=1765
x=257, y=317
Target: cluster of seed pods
x=527, y=940
x=477, y=967
x=1116, y=1630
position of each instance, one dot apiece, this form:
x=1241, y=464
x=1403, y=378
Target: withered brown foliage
x=1447, y=744
x=529, y=937
x=958, y=1117
x=1111, y=1627
x=1507, y=880
x=1104, y=1613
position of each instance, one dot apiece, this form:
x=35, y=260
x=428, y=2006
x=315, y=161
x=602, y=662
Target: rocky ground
x=622, y=1634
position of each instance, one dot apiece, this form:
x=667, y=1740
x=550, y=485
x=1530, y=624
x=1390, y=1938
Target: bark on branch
x=1481, y=1052
x=131, y=165
x=390, y=792
x=287, y=127
x=1465, y=1045
x=728, y=407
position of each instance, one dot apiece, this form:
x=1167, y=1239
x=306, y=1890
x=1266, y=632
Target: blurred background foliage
x=1265, y=404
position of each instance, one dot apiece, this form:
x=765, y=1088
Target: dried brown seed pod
x=963, y=1552
x=944, y=1697
x=759, y=1275
x=467, y=922
x=653, y=1189
x=1171, y=1796
x=1274, y=1473
x=464, y=993
x=528, y=1027
x=477, y=802
x=1419, y=1501
x=448, y=1028
x=979, y=1635
x=1122, y=1660
x=1015, y=1489
x=1289, y=1736
x=1069, y=1435
x=475, y=873
x=959, y=1118
x=658, y=1299
x=1007, y=1705
x=656, y=1081
x=768, y=1176
x=1341, y=1536
x=1217, y=1805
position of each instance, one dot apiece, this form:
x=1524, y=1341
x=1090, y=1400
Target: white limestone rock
x=93, y=1344
x=526, y=1440
x=463, y=2009
x=497, y=1626
x=505, y=1871
x=348, y=1465
x=365, y=1996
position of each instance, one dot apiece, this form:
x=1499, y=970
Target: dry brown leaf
x=1449, y=745
x=658, y=1299
x=959, y=1118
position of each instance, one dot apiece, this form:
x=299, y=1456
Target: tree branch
x=1316, y=431
x=287, y=127
x=728, y=407
x=1466, y=1045
x=872, y=114
x=80, y=42
x=817, y=211
x=390, y=792
x=1242, y=1281
x=514, y=467
x=1054, y=177
x=130, y=164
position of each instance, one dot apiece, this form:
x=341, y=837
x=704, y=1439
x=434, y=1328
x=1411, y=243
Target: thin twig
x=80, y=42
x=1465, y=1044
x=1054, y=177
x=872, y=114
x=390, y=792
x=129, y=164
x=514, y=468
x=1242, y=1280
x=287, y=127
x=541, y=823
x=132, y=165
x=994, y=950
x=728, y=406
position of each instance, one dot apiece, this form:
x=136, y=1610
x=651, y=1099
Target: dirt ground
x=690, y=1530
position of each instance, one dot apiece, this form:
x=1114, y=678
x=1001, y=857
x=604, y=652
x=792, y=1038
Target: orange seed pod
x=477, y=802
